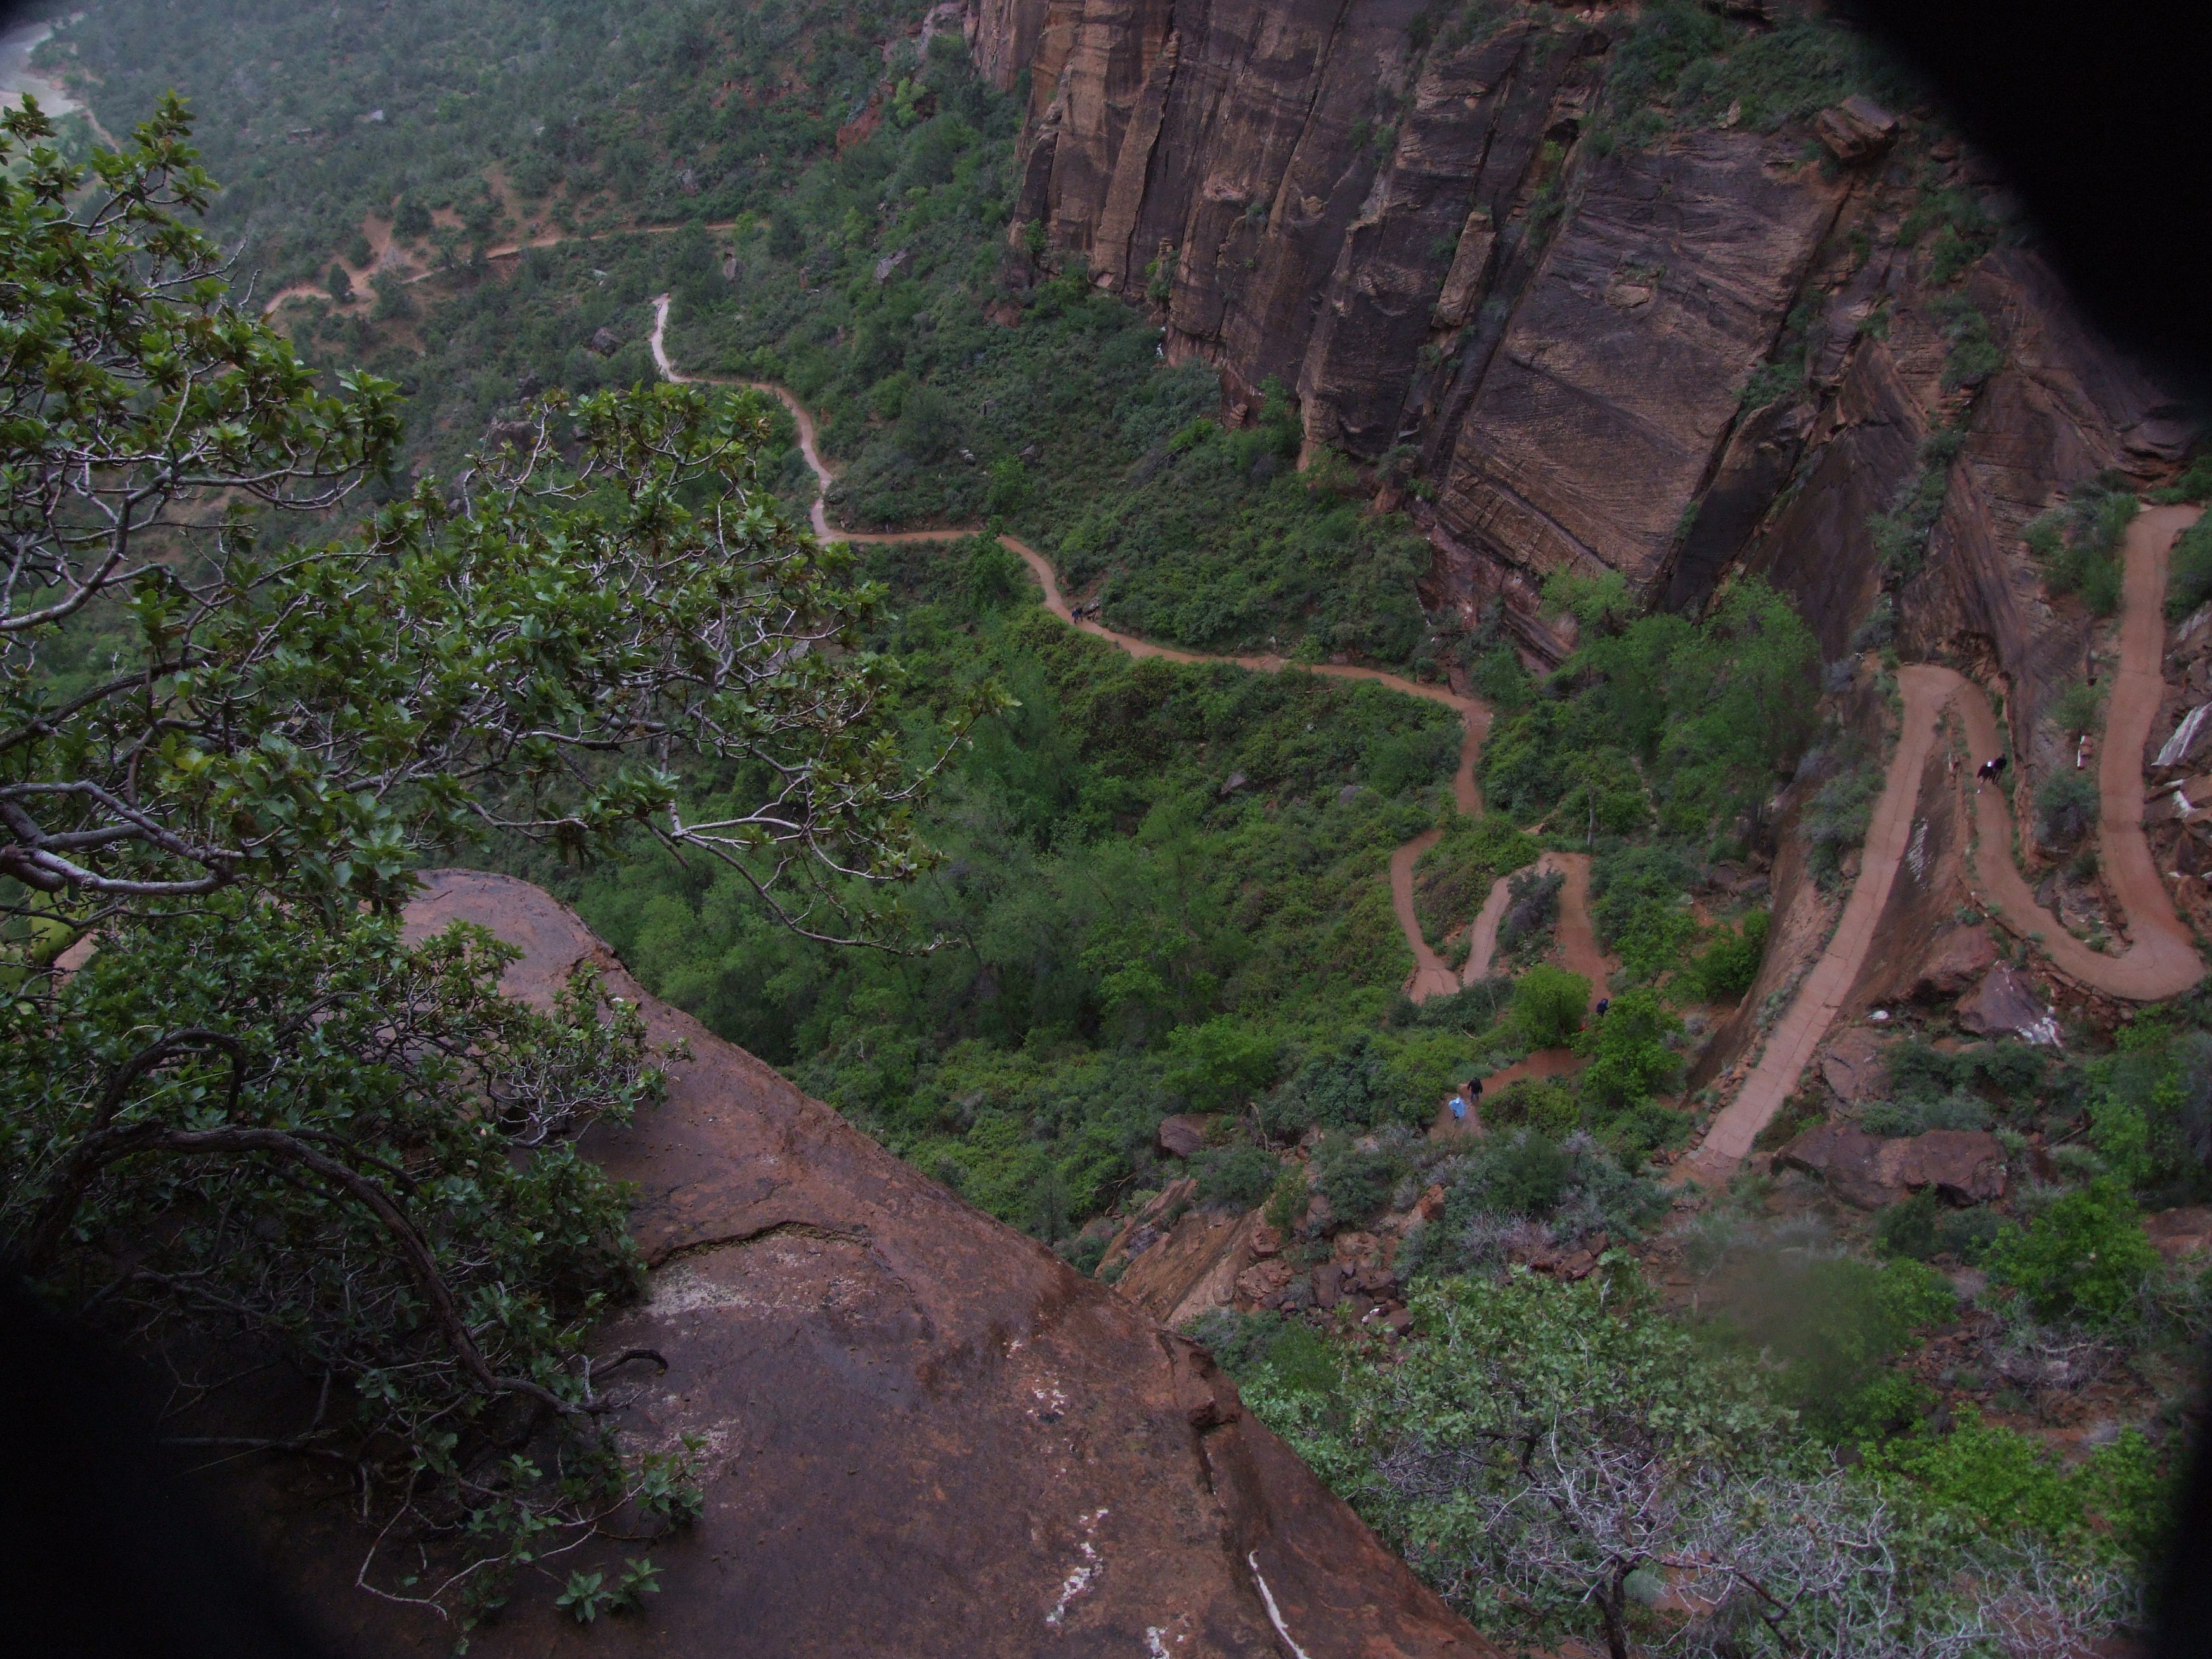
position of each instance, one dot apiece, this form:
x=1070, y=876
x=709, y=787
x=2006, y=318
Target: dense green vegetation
x=1151, y=888
x=1544, y=1447
x=860, y=277
x=1681, y=66
x=465, y=121
x=1657, y=722
x=261, y=1132
x=1162, y=888
x=865, y=293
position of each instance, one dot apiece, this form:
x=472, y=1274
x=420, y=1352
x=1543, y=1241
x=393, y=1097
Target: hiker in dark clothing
x=1988, y=772
x=1603, y=1003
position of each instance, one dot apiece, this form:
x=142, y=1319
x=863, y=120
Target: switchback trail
x=2160, y=960
x=1430, y=976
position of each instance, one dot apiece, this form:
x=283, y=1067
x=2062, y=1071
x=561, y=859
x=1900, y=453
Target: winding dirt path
x=1431, y=975
x=380, y=239
x=1578, y=946
x=2160, y=960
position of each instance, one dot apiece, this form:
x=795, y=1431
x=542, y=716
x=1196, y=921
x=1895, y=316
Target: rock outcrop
x=924, y=1433
x=1662, y=350
x=2005, y=1004
x=1965, y=1166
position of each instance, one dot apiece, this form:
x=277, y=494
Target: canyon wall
x=1668, y=350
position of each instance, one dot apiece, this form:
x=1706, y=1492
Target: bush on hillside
x=1548, y=1005
x=2086, y=1257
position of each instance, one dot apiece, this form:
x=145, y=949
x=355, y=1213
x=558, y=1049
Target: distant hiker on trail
x=1603, y=1003
x=1458, y=1110
x=1988, y=772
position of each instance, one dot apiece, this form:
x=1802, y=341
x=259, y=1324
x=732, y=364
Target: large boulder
x=2004, y=1004
x=1843, y=1155
x=1183, y=1135
x=926, y=1434
x=1856, y=1066
x=1964, y=1166
x=1958, y=958
x=1857, y=130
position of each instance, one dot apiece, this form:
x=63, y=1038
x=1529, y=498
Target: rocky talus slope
x=1665, y=356
x=924, y=1433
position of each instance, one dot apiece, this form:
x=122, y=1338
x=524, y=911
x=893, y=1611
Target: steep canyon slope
x=923, y=1432
x=1641, y=290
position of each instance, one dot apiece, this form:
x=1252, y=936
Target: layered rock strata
x=1717, y=349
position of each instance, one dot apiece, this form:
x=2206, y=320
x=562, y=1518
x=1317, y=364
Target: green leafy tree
x=1561, y=1460
x=258, y=1117
x=1630, y=1057
x=1548, y=1005
x=2086, y=1257
x=1219, y=1065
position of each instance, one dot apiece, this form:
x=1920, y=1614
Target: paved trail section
x=1790, y=1044
x=1431, y=975
x=2160, y=960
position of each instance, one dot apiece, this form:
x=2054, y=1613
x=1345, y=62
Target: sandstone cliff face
x=1421, y=240
x=924, y=1433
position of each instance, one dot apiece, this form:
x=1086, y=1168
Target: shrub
x=1639, y=900
x=1548, y=1005
x=1083, y=1251
x=1547, y=1105
x=1958, y=1110
x=2195, y=483
x=1219, y=1065
x=1630, y=1058
x=2084, y=1257
x=2189, y=579
x=1572, y=1186
x=2008, y=1481
x=2076, y=709
x=2077, y=545
x=1358, y=1184
x=1287, y=1202
x=1831, y=1325
x=1237, y=1177
x=1726, y=967
x=1535, y=906
x=2066, y=806
x=1840, y=815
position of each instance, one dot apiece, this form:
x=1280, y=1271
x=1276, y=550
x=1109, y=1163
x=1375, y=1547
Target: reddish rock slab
x=1957, y=959
x=1183, y=1135
x=1857, y=130
x=925, y=1434
x=1965, y=1166
x=1855, y=1066
x=2004, y=1004
x=1193, y=1268
x=2180, y=1234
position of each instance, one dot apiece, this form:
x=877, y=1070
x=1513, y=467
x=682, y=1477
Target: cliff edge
x=925, y=1434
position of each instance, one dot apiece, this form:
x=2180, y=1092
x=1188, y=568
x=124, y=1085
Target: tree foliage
x=258, y=1117
x=1564, y=1460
